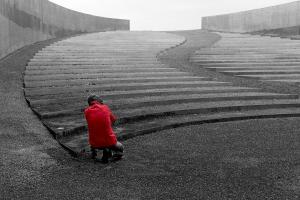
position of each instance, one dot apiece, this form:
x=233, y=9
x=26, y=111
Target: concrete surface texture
x=275, y=17
x=145, y=94
x=253, y=159
x=269, y=59
x=24, y=22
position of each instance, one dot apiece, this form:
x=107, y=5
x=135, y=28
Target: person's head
x=94, y=97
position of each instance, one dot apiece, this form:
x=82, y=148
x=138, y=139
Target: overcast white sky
x=164, y=14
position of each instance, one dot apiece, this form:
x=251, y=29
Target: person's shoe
x=104, y=160
x=116, y=157
x=107, y=154
x=93, y=153
x=93, y=156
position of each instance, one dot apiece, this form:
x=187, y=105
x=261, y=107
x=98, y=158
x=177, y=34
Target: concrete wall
x=24, y=22
x=275, y=17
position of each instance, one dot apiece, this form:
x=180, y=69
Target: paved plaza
x=193, y=126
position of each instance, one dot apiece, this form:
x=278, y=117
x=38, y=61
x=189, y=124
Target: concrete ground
x=255, y=159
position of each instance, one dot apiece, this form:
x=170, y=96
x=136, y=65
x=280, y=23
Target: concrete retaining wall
x=24, y=22
x=275, y=17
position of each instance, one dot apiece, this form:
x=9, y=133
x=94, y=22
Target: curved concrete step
x=69, y=124
x=80, y=82
x=262, y=71
x=253, y=62
x=127, y=115
x=66, y=68
x=270, y=77
x=75, y=108
x=235, y=52
x=295, y=80
x=116, y=62
x=246, y=64
x=96, y=66
x=117, y=86
x=242, y=68
x=103, y=75
x=247, y=56
x=96, y=71
x=52, y=99
x=245, y=59
x=79, y=143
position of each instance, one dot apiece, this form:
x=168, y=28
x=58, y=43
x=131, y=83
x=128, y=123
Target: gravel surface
x=255, y=159
x=25, y=145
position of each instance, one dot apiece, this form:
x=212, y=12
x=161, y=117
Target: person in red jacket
x=101, y=135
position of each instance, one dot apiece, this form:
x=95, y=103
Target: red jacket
x=99, y=119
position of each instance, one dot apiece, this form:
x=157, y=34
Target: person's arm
x=112, y=117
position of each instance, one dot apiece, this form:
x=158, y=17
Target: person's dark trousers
x=116, y=151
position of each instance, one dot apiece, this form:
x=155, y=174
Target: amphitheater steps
x=121, y=86
x=164, y=99
x=175, y=108
x=104, y=75
x=144, y=103
x=147, y=96
x=49, y=99
x=64, y=83
x=257, y=57
x=96, y=71
x=78, y=143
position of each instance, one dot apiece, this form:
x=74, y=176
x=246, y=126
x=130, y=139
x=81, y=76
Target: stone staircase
x=271, y=59
x=147, y=96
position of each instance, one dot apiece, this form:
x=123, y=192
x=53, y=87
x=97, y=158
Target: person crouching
x=101, y=135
